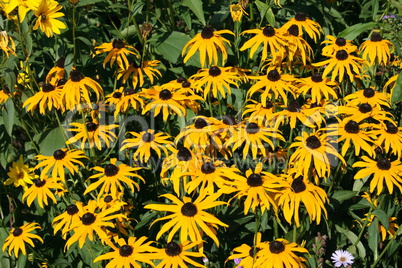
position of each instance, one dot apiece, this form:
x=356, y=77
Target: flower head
x=342, y=257
x=47, y=17
x=19, y=236
x=20, y=174
x=118, y=51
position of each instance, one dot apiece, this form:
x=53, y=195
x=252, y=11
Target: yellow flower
x=57, y=72
x=4, y=39
x=336, y=44
x=47, y=17
x=237, y=11
x=40, y=190
x=23, y=7
x=49, y=97
x=70, y=216
x=118, y=51
x=4, y=95
x=147, y=67
x=318, y=87
x=247, y=254
x=20, y=174
x=376, y=50
x=312, y=28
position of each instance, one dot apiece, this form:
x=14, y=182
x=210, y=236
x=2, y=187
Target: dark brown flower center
x=128, y=91
x=181, y=80
x=298, y=185
x=17, y=232
x=368, y=92
x=269, y=105
x=208, y=168
x=300, y=16
x=108, y=199
x=60, y=62
x=365, y=108
x=268, y=31
x=273, y=75
x=20, y=175
x=186, y=84
x=200, y=123
x=376, y=37
x=313, y=142
x=340, y=41
x=126, y=251
x=254, y=180
x=39, y=183
x=207, y=32
x=76, y=76
x=118, y=43
x=148, y=137
x=352, y=127
x=88, y=218
x=251, y=251
x=184, y=154
x=276, y=247
x=111, y=170
x=189, y=209
x=342, y=55
x=165, y=94
x=72, y=210
x=59, y=154
x=117, y=95
x=294, y=106
x=316, y=77
x=252, y=128
x=294, y=30
x=214, y=71
x=383, y=164
x=91, y=126
x=61, y=82
x=391, y=128
x=228, y=120
x=43, y=18
x=172, y=249
x=47, y=87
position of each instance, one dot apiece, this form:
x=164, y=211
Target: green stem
x=171, y=15
x=383, y=252
x=276, y=231
x=364, y=227
x=74, y=40
x=257, y=226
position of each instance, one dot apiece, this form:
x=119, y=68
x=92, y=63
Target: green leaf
x=129, y=31
x=396, y=4
x=9, y=116
x=343, y=195
x=397, y=90
x=85, y=41
x=373, y=237
x=353, y=239
x=196, y=7
x=382, y=216
x=352, y=32
x=169, y=45
x=22, y=260
x=51, y=141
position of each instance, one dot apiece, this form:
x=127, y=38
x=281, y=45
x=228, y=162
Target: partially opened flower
x=209, y=43
x=342, y=257
x=118, y=51
x=40, y=191
x=4, y=44
x=47, y=14
x=47, y=99
x=19, y=236
x=4, y=96
x=377, y=50
x=312, y=28
x=177, y=255
x=147, y=68
x=237, y=11
x=57, y=72
x=20, y=174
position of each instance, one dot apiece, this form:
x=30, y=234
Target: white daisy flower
x=342, y=257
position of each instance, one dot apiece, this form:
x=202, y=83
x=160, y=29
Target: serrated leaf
x=353, y=239
x=397, y=90
x=353, y=31
x=382, y=216
x=196, y=7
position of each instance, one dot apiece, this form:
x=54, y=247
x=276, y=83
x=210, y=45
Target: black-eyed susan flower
x=334, y=44
x=183, y=85
x=40, y=191
x=118, y=51
x=237, y=11
x=125, y=99
x=19, y=236
x=293, y=113
x=108, y=200
x=57, y=72
x=340, y=63
x=47, y=99
x=246, y=255
x=312, y=28
x=189, y=217
x=111, y=177
x=368, y=95
x=47, y=14
x=216, y=80
x=92, y=222
x=129, y=254
x=299, y=190
x=364, y=111
x=72, y=215
x=61, y=159
x=177, y=255
x=20, y=174
x=273, y=85
x=77, y=88
x=272, y=41
x=115, y=97
x=382, y=171
x=318, y=87
x=296, y=46
x=281, y=253
x=24, y=6
x=209, y=43
x=392, y=228
x=95, y=133
x=376, y=50
x=389, y=137
x=143, y=142
x=4, y=95
x=148, y=68
x=253, y=137
x=7, y=44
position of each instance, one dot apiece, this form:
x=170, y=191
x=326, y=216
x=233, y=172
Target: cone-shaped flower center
x=352, y=127
x=43, y=18
x=184, y=154
x=39, y=183
x=91, y=126
x=340, y=41
x=269, y=105
x=228, y=120
x=118, y=43
x=368, y=92
x=276, y=247
x=47, y=87
x=189, y=209
x=60, y=62
x=61, y=82
x=252, y=128
x=76, y=76
x=391, y=128
x=59, y=154
x=129, y=91
x=165, y=94
x=208, y=168
x=316, y=77
x=117, y=95
x=72, y=209
x=300, y=16
x=273, y=75
x=298, y=185
x=17, y=232
x=376, y=37
x=111, y=170
x=148, y=137
x=181, y=80
x=126, y=251
x=268, y=31
x=383, y=164
x=365, y=108
x=88, y=218
x=200, y=123
x=172, y=249
x=186, y=84
x=214, y=71
x=313, y=142
x=108, y=199
x=315, y=104
x=207, y=32
x=342, y=54
x=254, y=180
x=294, y=30
x=251, y=251
x=294, y=106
